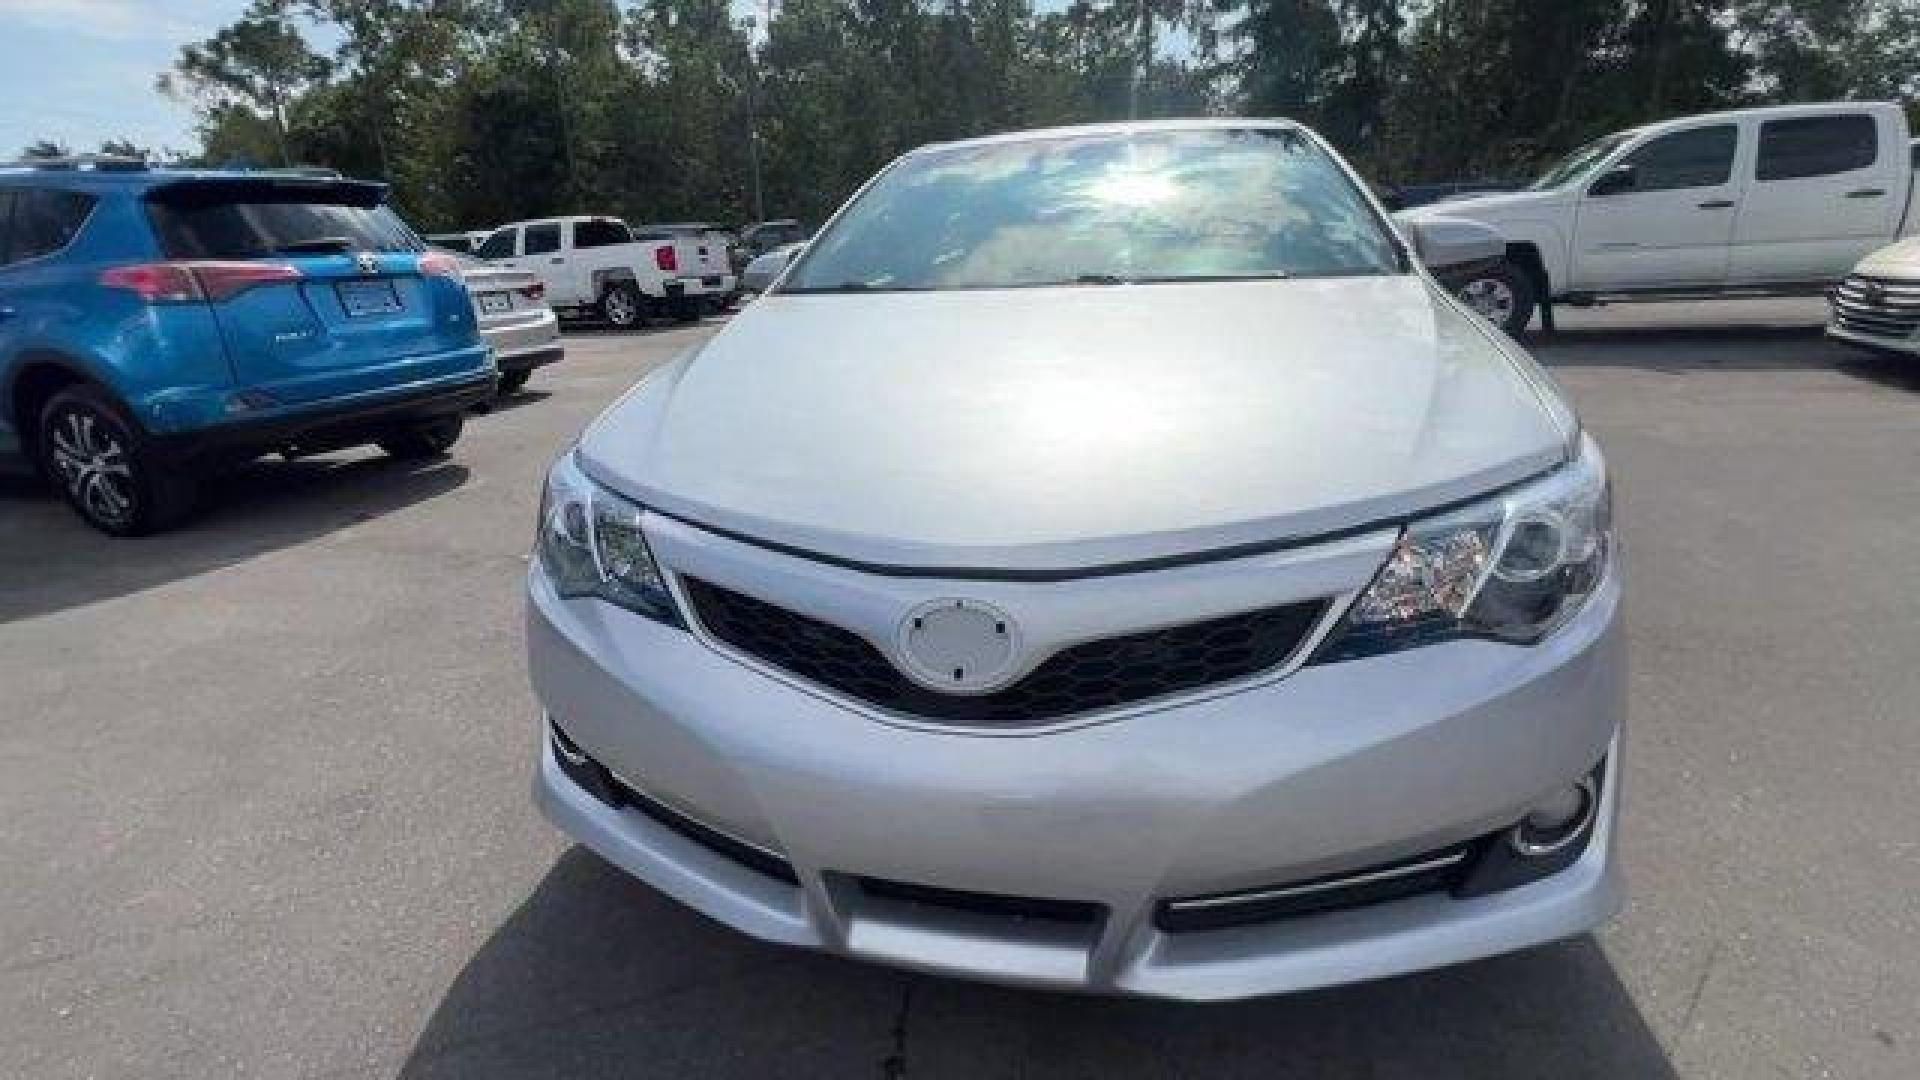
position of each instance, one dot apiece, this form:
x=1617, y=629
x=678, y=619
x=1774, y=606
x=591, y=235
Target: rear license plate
x=363, y=298
x=711, y=282
x=495, y=303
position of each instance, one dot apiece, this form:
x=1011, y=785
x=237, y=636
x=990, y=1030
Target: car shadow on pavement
x=598, y=975
x=1677, y=349
x=53, y=561
x=1731, y=348
x=596, y=328
x=510, y=402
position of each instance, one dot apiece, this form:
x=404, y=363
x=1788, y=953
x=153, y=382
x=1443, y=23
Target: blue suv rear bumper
x=340, y=422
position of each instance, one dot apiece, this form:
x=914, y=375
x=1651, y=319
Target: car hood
x=1487, y=208
x=1053, y=429
x=1901, y=260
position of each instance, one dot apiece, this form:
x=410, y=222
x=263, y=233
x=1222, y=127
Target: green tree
x=1292, y=53
x=1820, y=50
x=259, y=63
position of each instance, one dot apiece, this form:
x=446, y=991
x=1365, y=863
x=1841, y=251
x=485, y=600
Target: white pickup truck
x=595, y=265
x=1779, y=200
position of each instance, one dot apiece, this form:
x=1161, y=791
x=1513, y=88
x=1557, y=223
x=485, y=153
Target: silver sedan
x=1106, y=560
x=515, y=321
x=764, y=269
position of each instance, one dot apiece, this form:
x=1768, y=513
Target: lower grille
x=1019, y=907
x=1083, y=678
x=1878, y=307
x=1431, y=872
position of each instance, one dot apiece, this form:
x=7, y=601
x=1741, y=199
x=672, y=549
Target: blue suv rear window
x=242, y=221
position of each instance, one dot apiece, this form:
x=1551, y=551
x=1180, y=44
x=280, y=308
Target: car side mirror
x=1445, y=243
x=1614, y=181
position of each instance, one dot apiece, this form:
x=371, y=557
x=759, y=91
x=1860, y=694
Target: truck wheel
x=104, y=466
x=428, y=440
x=1503, y=294
x=622, y=306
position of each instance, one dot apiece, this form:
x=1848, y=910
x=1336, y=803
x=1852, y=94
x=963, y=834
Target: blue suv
x=158, y=324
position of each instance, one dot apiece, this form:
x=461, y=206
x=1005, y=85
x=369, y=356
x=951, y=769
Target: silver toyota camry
x=1107, y=560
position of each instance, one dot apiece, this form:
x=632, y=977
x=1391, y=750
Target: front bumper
x=1908, y=345
x=1334, y=768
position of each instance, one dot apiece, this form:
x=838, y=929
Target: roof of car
x=560, y=219
x=1128, y=127
x=1806, y=108
x=98, y=172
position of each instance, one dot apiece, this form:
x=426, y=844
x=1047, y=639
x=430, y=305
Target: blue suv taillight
x=187, y=282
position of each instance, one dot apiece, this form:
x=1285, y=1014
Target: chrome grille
x=1877, y=306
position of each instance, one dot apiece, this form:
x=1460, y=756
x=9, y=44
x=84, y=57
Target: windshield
x=1212, y=204
x=1577, y=164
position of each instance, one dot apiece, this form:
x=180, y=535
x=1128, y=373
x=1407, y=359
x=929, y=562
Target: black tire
x=511, y=382
x=623, y=307
x=106, y=467
x=429, y=440
x=1504, y=294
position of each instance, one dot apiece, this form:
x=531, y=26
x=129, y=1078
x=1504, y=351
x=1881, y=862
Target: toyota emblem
x=958, y=646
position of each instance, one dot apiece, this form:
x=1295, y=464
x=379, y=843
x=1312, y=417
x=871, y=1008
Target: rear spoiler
x=287, y=186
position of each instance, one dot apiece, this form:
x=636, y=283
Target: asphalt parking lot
x=263, y=784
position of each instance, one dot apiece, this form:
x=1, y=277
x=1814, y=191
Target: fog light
x=1556, y=821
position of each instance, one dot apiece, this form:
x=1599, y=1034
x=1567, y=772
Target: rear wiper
x=319, y=245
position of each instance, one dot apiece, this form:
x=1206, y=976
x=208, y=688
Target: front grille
x=1876, y=306
x=1084, y=678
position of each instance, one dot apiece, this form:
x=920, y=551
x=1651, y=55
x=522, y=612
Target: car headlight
x=1513, y=568
x=591, y=544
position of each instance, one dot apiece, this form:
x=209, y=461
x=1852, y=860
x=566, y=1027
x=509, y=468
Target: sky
x=80, y=71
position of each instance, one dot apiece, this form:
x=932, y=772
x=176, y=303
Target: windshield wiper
x=319, y=245
x=1271, y=275
x=855, y=287
x=1162, y=279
